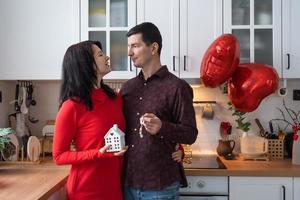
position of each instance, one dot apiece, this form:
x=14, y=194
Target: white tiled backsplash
x=46, y=94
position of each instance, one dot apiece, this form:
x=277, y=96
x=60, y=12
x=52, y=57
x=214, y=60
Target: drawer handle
x=283, y=188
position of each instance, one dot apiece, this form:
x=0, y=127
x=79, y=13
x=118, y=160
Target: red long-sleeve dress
x=93, y=176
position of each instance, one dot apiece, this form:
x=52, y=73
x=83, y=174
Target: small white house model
x=115, y=138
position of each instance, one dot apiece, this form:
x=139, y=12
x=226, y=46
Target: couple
x=89, y=108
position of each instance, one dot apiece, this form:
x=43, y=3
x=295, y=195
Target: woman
x=88, y=109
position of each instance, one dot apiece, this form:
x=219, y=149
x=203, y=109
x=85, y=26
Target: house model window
x=115, y=138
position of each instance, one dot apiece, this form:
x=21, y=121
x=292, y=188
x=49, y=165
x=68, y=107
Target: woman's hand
x=177, y=155
x=119, y=153
x=122, y=152
x=104, y=149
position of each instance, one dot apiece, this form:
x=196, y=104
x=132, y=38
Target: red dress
x=93, y=175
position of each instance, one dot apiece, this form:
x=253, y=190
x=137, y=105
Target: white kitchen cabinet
x=257, y=25
x=261, y=188
x=187, y=26
x=296, y=188
x=108, y=22
x=291, y=39
x=34, y=36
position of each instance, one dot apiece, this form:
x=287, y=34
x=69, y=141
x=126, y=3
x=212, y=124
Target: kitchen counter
x=40, y=181
x=31, y=181
x=239, y=167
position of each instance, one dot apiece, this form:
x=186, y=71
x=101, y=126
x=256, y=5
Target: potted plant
x=3, y=139
x=239, y=118
x=293, y=120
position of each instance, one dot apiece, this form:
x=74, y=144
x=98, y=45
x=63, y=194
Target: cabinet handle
x=174, y=63
x=283, y=188
x=184, y=62
x=130, y=64
x=288, y=56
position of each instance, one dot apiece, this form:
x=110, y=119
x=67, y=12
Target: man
x=159, y=114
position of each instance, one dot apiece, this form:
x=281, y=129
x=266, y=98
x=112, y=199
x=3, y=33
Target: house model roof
x=115, y=138
x=114, y=129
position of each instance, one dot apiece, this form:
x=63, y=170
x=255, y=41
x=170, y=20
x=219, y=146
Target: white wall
x=46, y=94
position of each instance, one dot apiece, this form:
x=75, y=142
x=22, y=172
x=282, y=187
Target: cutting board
x=33, y=148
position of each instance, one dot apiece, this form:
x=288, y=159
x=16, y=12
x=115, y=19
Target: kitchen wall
x=46, y=94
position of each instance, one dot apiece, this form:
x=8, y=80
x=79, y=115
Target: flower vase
x=296, y=150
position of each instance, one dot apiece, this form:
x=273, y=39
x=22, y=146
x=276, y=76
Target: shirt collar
x=160, y=73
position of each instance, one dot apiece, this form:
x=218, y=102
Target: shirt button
x=132, y=145
x=137, y=113
x=161, y=137
x=145, y=84
x=141, y=98
x=135, y=129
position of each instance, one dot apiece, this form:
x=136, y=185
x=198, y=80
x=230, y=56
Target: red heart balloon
x=220, y=60
x=250, y=84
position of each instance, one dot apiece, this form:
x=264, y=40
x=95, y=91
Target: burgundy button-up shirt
x=148, y=161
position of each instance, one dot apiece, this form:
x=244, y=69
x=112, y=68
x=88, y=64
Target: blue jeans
x=168, y=193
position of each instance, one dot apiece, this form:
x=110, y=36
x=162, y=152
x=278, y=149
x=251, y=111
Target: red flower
x=295, y=137
x=225, y=127
x=296, y=128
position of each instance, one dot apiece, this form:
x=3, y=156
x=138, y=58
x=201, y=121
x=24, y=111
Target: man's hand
x=151, y=123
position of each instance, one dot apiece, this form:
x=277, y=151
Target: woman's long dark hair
x=79, y=74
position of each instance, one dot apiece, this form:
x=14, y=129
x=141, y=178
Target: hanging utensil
x=271, y=127
x=24, y=108
x=17, y=107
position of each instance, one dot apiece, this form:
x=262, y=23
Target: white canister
x=296, y=152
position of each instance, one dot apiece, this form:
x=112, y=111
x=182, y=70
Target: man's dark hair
x=149, y=32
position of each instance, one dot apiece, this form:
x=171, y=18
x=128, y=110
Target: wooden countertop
x=40, y=181
x=31, y=181
x=239, y=167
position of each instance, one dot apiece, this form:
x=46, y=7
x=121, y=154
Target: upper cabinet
x=108, y=22
x=257, y=25
x=291, y=39
x=34, y=36
x=187, y=27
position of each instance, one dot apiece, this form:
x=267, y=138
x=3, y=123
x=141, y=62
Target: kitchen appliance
x=205, y=187
x=253, y=146
x=204, y=161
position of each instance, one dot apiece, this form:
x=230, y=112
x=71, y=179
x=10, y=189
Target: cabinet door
x=291, y=39
x=108, y=22
x=296, y=188
x=166, y=18
x=260, y=188
x=34, y=37
x=257, y=25
x=200, y=24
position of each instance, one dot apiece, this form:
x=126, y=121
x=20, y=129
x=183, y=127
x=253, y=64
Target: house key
x=141, y=127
